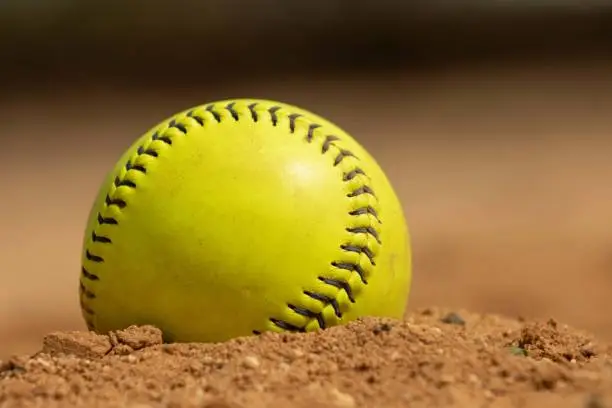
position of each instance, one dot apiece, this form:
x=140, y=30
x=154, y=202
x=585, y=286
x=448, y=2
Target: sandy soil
x=504, y=176
x=433, y=358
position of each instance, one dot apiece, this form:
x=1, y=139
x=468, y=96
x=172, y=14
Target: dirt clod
x=80, y=344
x=136, y=337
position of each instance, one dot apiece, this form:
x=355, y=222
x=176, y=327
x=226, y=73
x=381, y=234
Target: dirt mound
x=432, y=358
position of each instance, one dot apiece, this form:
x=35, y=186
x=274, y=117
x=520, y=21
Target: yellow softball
x=244, y=216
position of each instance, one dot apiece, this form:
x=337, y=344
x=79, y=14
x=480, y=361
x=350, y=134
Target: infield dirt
x=433, y=358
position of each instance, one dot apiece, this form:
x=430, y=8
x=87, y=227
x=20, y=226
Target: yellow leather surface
x=225, y=223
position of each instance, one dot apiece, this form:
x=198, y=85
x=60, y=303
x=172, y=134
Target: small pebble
x=251, y=362
x=453, y=318
x=342, y=399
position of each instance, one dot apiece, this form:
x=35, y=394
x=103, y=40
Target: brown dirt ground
x=432, y=358
x=504, y=175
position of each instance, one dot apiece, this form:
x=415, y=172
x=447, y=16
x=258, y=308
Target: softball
x=239, y=217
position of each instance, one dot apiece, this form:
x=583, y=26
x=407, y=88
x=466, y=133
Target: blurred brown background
x=492, y=119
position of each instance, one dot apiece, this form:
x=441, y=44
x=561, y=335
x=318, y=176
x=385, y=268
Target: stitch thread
x=365, y=214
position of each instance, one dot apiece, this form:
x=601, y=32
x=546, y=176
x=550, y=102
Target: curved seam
x=365, y=228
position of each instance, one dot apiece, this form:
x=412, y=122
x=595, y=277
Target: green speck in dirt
x=518, y=351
